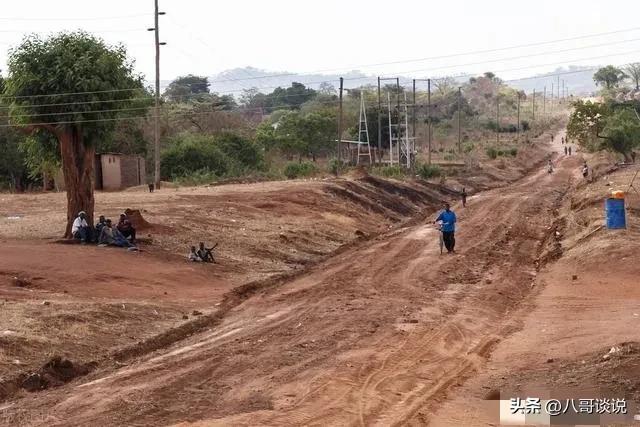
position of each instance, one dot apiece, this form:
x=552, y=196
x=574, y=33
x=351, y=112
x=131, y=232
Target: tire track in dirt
x=338, y=345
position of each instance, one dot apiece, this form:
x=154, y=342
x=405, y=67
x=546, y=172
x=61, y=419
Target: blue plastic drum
x=614, y=209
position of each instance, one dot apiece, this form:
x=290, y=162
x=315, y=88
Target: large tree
x=633, y=73
x=72, y=86
x=609, y=77
x=186, y=88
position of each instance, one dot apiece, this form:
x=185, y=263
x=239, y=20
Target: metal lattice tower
x=364, y=148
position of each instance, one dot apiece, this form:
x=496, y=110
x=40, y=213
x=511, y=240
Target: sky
x=413, y=38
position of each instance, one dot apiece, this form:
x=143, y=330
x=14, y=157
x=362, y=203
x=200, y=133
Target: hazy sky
x=206, y=37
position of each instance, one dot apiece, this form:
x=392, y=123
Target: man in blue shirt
x=448, y=218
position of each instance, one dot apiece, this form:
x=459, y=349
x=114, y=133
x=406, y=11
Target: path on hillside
x=375, y=335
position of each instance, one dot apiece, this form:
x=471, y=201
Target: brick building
x=118, y=171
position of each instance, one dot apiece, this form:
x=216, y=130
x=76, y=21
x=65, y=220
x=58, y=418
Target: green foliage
x=333, y=164
x=492, y=152
x=295, y=133
x=243, y=151
x=67, y=64
x=524, y=124
x=394, y=171
x=622, y=132
x=12, y=169
x=198, y=177
x=197, y=154
x=428, y=171
x=467, y=148
x=609, y=77
x=513, y=152
x=587, y=120
x=294, y=170
x=632, y=72
x=188, y=154
x=187, y=88
x=40, y=155
x=281, y=98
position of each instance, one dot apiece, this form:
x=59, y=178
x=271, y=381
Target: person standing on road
x=448, y=218
x=585, y=171
x=569, y=150
x=464, y=197
x=565, y=150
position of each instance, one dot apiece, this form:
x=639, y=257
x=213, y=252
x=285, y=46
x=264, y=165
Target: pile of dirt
x=54, y=373
x=139, y=223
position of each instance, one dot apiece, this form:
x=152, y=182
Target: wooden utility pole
x=518, y=128
x=340, y=126
x=551, y=99
x=498, y=119
x=544, y=102
x=563, y=89
x=459, y=122
x=156, y=122
x=413, y=116
x=429, y=120
x=379, y=125
x=558, y=89
x=533, y=107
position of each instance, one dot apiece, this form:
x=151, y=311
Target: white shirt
x=77, y=223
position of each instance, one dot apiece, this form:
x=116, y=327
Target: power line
x=468, y=53
x=95, y=18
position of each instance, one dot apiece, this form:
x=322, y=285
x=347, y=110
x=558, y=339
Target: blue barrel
x=614, y=209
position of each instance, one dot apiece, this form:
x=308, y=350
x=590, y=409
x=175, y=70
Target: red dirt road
x=375, y=336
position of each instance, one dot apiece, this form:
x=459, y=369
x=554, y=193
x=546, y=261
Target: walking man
x=464, y=197
x=448, y=218
x=569, y=150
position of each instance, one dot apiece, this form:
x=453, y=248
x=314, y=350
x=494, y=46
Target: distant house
x=118, y=171
x=113, y=171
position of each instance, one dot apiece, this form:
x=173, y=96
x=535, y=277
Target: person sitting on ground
x=126, y=228
x=193, y=255
x=206, y=254
x=81, y=229
x=448, y=219
x=99, y=226
x=112, y=237
x=585, y=170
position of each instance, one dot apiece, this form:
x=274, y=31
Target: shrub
x=299, y=169
x=190, y=153
x=513, y=152
x=525, y=125
x=394, y=171
x=244, y=151
x=468, y=148
x=198, y=177
x=428, y=171
x=449, y=157
x=333, y=164
x=492, y=152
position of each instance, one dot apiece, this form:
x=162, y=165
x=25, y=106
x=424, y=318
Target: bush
x=449, y=157
x=333, y=164
x=188, y=154
x=394, y=171
x=525, y=125
x=428, y=171
x=468, y=147
x=299, y=169
x=224, y=155
x=198, y=177
x=492, y=152
x=513, y=152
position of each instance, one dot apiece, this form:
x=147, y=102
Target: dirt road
x=376, y=335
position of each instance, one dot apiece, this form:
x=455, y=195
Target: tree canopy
x=609, y=77
x=187, y=88
x=73, y=87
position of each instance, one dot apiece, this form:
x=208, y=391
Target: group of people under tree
x=123, y=234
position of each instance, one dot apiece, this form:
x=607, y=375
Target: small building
x=114, y=171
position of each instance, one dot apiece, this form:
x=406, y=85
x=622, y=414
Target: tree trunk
x=77, y=166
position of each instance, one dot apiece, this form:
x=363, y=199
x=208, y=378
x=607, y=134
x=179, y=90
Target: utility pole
x=340, y=127
x=518, y=128
x=156, y=112
x=563, y=89
x=498, y=118
x=459, y=122
x=429, y=120
x=413, y=118
x=533, y=106
x=544, y=102
x=558, y=89
x=379, y=124
x=551, y=99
